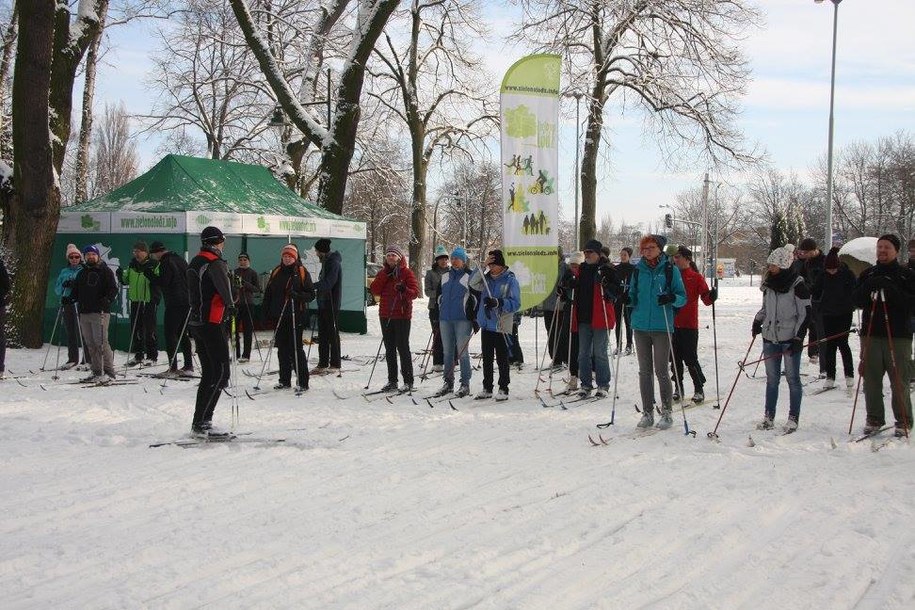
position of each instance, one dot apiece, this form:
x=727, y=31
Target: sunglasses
x=74, y=256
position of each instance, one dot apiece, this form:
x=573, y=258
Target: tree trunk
x=418, y=212
x=587, y=224
x=85, y=128
x=30, y=220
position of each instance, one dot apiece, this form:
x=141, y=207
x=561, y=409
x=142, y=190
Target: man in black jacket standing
x=886, y=337
x=248, y=283
x=623, y=314
x=328, y=290
x=94, y=291
x=210, y=295
x=170, y=275
x=809, y=266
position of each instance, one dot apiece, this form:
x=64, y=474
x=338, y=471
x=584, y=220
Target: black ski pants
x=495, y=344
x=685, y=348
x=623, y=314
x=290, y=352
x=213, y=350
x=143, y=322
x=834, y=325
x=71, y=325
x=438, y=354
x=244, y=331
x=328, y=338
x=396, y=337
x=173, y=324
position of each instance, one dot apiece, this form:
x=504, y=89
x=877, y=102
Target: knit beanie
x=892, y=239
x=288, y=249
x=440, y=251
x=781, y=257
x=93, y=249
x=72, y=249
x=394, y=250
x=576, y=258
x=322, y=245
x=497, y=258
x=832, y=259
x=593, y=245
x=460, y=253
x=156, y=247
x=807, y=244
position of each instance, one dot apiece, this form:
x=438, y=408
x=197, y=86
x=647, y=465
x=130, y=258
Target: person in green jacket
x=144, y=299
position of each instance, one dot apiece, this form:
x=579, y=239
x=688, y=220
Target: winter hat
x=892, y=239
x=576, y=258
x=807, y=244
x=72, y=249
x=440, y=251
x=781, y=257
x=322, y=245
x=593, y=245
x=93, y=249
x=647, y=239
x=141, y=246
x=460, y=253
x=212, y=235
x=156, y=247
x=395, y=250
x=287, y=249
x=244, y=255
x=685, y=252
x=497, y=258
x=832, y=259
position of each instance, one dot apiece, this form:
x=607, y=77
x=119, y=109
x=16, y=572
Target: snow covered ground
x=377, y=505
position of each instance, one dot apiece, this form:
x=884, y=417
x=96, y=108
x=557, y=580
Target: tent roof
x=188, y=184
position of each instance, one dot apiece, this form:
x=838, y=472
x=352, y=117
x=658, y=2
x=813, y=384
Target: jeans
x=592, y=349
x=777, y=351
x=455, y=337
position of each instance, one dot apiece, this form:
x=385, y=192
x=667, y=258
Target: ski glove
x=757, y=327
x=475, y=325
x=66, y=300
x=491, y=302
x=572, y=282
x=713, y=295
x=665, y=299
x=401, y=287
x=797, y=346
x=67, y=283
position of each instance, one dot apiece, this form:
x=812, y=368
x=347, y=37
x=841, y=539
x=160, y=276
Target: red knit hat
x=290, y=249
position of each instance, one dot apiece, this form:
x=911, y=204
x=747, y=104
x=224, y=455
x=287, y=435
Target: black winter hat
x=593, y=245
x=141, y=246
x=156, y=246
x=807, y=244
x=893, y=240
x=497, y=258
x=322, y=245
x=212, y=235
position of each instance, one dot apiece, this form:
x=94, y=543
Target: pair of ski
x=258, y=391
x=213, y=439
x=579, y=400
x=637, y=434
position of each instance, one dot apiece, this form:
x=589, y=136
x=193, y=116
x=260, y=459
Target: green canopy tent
x=179, y=196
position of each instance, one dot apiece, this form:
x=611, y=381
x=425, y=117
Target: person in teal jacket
x=655, y=291
x=500, y=298
x=62, y=287
x=144, y=298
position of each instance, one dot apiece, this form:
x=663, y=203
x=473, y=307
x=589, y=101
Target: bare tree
x=677, y=60
x=115, y=160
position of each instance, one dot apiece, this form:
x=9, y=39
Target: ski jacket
x=95, y=289
x=249, y=283
x=394, y=304
x=139, y=288
x=330, y=281
x=594, y=296
x=624, y=272
x=170, y=277
x=68, y=273
x=455, y=299
x=288, y=291
x=898, y=285
x=810, y=269
x=696, y=288
x=553, y=302
x=835, y=293
x=785, y=312
x=209, y=287
x=431, y=282
x=646, y=285
x=506, y=289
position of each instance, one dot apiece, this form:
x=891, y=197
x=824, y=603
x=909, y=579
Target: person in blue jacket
x=500, y=298
x=456, y=305
x=62, y=287
x=655, y=291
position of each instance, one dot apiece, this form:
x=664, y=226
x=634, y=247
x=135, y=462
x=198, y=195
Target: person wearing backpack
x=655, y=292
x=286, y=296
x=686, y=325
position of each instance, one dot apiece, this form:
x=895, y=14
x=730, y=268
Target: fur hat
x=287, y=249
x=892, y=239
x=576, y=258
x=497, y=258
x=93, y=249
x=440, y=251
x=395, y=250
x=322, y=245
x=460, y=253
x=156, y=247
x=781, y=257
x=72, y=249
x=832, y=259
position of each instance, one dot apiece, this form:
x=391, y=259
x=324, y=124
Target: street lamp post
x=575, y=220
x=832, y=96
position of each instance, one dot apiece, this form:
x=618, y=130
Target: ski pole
x=571, y=313
x=133, y=330
x=254, y=336
x=257, y=386
x=896, y=378
x=670, y=343
x=619, y=354
x=714, y=433
x=51, y=341
x=787, y=351
x=384, y=328
x=864, y=351
x=424, y=361
x=715, y=349
x=546, y=348
x=333, y=321
x=296, y=346
x=235, y=410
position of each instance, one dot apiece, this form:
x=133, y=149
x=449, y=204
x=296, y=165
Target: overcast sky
x=785, y=111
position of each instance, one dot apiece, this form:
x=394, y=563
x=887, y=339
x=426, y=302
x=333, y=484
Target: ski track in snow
x=378, y=505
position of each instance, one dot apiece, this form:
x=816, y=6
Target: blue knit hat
x=89, y=249
x=440, y=251
x=460, y=253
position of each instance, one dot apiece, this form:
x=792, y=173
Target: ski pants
x=653, y=352
x=95, y=338
x=396, y=336
x=143, y=322
x=685, y=352
x=244, y=331
x=328, y=338
x=623, y=314
x=877, y=363
x=833, y=325
x=495, y=344
x=515, y=355
x=289, y=351
x=438, y=354
x=71, y=325
x=174, y=322
x=213, y=350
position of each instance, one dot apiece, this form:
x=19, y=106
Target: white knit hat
x=72, y=249
x=781, y=257
x=576, y=258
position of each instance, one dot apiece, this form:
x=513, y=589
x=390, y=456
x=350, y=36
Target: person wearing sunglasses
x=62, y=288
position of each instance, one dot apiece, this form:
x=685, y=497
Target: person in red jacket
x=686, y=325
x=397, y=287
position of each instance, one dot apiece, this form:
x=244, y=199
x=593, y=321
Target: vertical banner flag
x=530, y=159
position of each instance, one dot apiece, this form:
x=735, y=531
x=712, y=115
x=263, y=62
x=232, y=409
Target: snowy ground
x=377, y=505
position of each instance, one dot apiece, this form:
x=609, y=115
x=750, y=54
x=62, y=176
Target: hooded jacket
x=394, y=304
x=330, y=281
x=504, y=287
x=645, y=286
x=835, y=293
x=249, y=284
x=785, y=312
x=95, y=289
x=139, y=287
x=455, y=299
x=696, y=288
x=431, y=282
x=593, y=301
x=68, y=273
x=288, y=290
x=170, y=277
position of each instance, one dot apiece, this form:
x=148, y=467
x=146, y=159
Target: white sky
x=785, y=111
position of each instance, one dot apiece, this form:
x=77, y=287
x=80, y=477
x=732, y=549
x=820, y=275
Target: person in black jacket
x=886, y=338
x=170, y=275
x=286, y=298
x=94, y=290
x=248, y=283
x=833, y=290
x=809, y=265
x=4, y=292
x=328, y=289
x=623, y=314
x=210, y=295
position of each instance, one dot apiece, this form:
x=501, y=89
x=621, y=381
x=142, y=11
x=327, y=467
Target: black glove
x=105, y=304
x=756, y=328
x=797, y=346
x=880, y=282
x=401, y=287
x=66, y=300
x=713, y=295
x=608, y=296
x=491, y=302
x=67, y=283
x=119, y=273
x=666, y=298
x=624, y=299
x=475, y=325
x=297, y=296
x=572, y=282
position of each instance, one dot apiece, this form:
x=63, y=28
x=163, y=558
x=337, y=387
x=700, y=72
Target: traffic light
x=669, y=221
